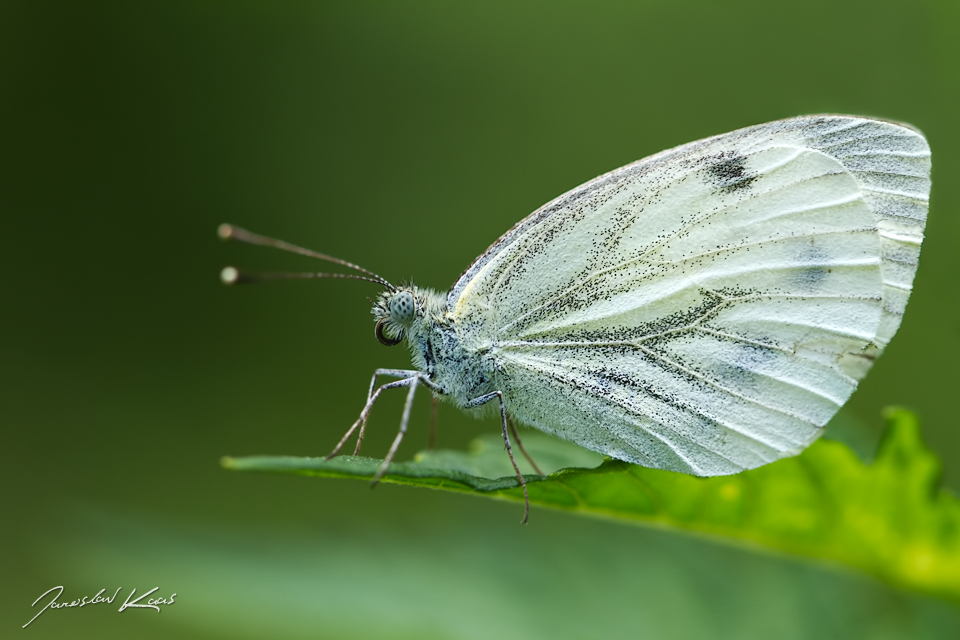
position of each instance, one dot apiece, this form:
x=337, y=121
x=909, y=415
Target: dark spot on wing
x=815, y=267
x=745, y=371
x=812, y=276
x=729, y=172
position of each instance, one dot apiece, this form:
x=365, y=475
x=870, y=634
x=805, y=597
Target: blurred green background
x=406, y=137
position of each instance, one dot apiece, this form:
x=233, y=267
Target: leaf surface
x=888, y=518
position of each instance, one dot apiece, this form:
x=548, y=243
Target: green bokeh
x=404, y=136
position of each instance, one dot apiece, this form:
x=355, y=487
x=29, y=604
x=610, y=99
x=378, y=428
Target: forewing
x=709, y=308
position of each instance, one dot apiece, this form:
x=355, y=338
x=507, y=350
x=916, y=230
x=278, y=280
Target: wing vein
x=656, y=245
x=716, y=385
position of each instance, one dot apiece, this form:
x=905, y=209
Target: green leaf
x=887, y=519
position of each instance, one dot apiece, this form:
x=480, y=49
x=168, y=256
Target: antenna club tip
x=229, y=275
x=226, y=231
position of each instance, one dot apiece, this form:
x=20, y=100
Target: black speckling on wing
x=709, y=308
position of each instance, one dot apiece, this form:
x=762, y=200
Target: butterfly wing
x=709, y=308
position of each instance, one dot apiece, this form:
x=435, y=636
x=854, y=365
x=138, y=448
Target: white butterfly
x=704, y=310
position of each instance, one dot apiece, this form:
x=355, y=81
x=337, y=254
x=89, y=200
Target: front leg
x=362, y=420
x=393, y=373
x=411, y=379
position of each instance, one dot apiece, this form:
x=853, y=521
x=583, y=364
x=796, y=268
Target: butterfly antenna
x=231, y=275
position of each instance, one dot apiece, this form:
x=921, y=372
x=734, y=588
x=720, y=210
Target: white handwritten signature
x=152, y=603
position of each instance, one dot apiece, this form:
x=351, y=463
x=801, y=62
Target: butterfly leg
x=403, y=428
x=406, y=382
x=393, y=373
x=516, y=436
x=476, y=402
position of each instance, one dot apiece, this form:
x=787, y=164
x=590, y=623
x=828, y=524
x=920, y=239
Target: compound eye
x=402, y=307
x=383, y=338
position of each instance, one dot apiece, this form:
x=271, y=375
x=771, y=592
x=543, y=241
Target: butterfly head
x=395, y=312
